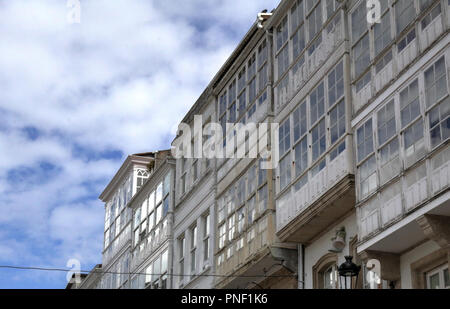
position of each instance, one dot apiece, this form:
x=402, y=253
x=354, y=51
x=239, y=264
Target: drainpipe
x=301, y=266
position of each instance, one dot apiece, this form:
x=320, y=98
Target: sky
x=77, y=98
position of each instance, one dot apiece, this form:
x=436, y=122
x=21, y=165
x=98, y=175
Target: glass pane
x=434, y=281
x=446, y=278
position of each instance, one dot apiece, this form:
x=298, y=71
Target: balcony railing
x=294, y=204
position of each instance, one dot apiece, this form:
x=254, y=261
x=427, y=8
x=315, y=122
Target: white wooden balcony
x=419, y=185
x=327, y=196
x=428, y=35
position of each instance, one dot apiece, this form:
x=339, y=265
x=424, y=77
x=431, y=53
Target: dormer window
x=142, y=176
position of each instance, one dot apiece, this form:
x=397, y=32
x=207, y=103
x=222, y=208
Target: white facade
x=194, y=232
x=364, y=117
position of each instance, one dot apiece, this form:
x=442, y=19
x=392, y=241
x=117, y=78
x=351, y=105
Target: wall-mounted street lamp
x=347, y=272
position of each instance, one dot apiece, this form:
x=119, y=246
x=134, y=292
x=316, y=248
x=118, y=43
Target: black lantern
x=347, y=271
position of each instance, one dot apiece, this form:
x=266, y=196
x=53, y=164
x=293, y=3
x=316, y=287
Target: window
x=365, y=80
x=364, y=137
x=439, y=120
x=158, y=213
x=251, y=111
x=404, y=14
x=438, y=278
x=359, y=21
x=195, y=169
x=424, y=4
x=231, y=227
x=193, y=248
x=240, y=220
x=301, y=182
x=435, y=82
x=206, y=234
x=318, y=140
x=240, y=194
x=221, y=209
x=383, y=62
x=242, y=103
x=332, y=5
x=361, y=54
x=282, y=33
x=411, y=36
x=409, y=103
x=315, y=21
x=298, y=41
x=284, y=137
x=252, y=90
x=262, y=53
x=156, y=273
x=336, y=84
x=283, y=61
x=297, y=14
x=142, y=176
x=262, y=199
x=317, y=103
x=301, y=157
x=223, y=103
x=251, y=67
x=148, y=274
x=337, y=122
x=262, y=176
x=164, y=267
x=230, y=198
x=435, y=12
x=382, y=33
x=386, y=122
x=159, y=193
x=166, y=187
x=232, y=113
x=262, y=98
x=337, y=151
x=319, y=166
x=368, y=177
x=251, y=180
x=412, y=137
x=388, y=152
x=241, y=80
x=263, y=79
x=330, y=277
x=285, y=172
x=299, y=120
x=315, y=45
x=232, y=92
x=165, y=206
x=251, y=210
x=222, y=235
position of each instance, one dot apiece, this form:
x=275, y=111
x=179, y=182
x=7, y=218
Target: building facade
x=361, y=96
x=152, y=226
x=194, y=227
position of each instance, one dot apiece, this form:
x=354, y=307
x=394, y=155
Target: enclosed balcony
x=326, y=194
x=424, y=189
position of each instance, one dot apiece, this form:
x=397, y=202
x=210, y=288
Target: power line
x=139, y=273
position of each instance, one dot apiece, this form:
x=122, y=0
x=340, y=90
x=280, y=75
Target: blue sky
x=75, y=99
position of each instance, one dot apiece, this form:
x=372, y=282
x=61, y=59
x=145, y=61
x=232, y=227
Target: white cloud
x=120, y=80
